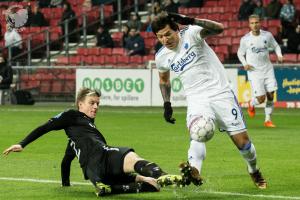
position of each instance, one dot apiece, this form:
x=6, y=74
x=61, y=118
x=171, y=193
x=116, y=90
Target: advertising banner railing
x=135, y=87
x=122, y=87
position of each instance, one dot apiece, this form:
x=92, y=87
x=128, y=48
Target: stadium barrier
x=129, y=87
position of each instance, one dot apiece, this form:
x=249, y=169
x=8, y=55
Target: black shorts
x=108, y=166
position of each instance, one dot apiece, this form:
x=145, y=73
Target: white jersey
x=198, y=67
x=254, y=51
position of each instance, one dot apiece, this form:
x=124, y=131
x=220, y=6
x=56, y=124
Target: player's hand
x=181, y=19
x=13, y=148
x=248, y=67
x=168, y=112
x=280, y=59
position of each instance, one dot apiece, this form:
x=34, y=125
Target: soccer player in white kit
x=254, y=55
x=206, y=88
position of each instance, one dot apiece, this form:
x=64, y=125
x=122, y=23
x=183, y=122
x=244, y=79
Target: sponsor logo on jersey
x=258, y=50
x=92, y=125
x=183, y=62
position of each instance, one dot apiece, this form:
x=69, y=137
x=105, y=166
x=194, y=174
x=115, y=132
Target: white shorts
x=262, y=83
x=224, y=111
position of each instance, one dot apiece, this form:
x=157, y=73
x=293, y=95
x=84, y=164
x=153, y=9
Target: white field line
x=134, y=111
x=202, y=191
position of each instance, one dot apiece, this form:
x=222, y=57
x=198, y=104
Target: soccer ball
x=202, y=129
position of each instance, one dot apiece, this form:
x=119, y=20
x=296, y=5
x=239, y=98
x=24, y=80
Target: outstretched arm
x=209, y=27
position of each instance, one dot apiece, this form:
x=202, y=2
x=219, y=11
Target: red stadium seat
x=225, y=41
x=69, y=86
x=74, y=60
x=236, y=40
x=98, y=60
x=273, y=57
x=87, y=60
x=57, y=86
x=82, y=51
x=298, y=58
x=290, y=58
x=135, y=60
x=122, y=60
x=118, y=51
x=218, y=9
x=105, y=51
x=110, y=60
x=148, y=58
x=62, y=60
x=184, y=11
x=274, y=22
x=234, y=49
x=94, y=51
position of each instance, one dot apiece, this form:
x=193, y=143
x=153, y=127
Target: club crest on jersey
x=186, y=46
x=183, y=62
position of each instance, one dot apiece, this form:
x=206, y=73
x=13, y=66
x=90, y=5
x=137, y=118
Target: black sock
x=126, y=188
x=134, y=187
x=145, y=168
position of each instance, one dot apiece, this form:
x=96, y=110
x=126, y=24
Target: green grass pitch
x=25, y=175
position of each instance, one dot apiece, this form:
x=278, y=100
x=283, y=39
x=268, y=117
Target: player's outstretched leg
x=190, y=174
x=258, y=180
x=170, y=179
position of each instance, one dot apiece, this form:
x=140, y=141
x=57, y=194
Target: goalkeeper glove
x=181, y=19
x=168, y=112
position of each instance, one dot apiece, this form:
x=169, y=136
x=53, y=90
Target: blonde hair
x=254, y=16
x=84, y=92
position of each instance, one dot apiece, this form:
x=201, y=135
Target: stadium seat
x=225, y=41
x=274, y=22
x=110, y=60
x=98, y=60
x=56, y=86
x=82, y=51
x=122, y=60
x=105, y=51
x=290, y=58
x=118, y=51
x=218, y=9
x=62, y=60
x=148, y=58
x=74, y=60
x=273, y=58
x=87, y=60
x=298, y=58
x=69, y=87
x=94, y=51
x=45, y=87
x=135, y=60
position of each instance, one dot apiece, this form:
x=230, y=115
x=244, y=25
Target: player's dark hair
x=162, y=21
x=84, y=92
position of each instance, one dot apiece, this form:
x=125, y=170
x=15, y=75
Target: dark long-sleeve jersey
x=86, y=141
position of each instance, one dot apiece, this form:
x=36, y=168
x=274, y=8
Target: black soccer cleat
x=190, y=174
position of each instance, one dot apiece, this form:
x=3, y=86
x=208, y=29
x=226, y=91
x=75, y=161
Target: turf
x=153, y=139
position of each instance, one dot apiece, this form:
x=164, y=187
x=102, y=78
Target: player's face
x=168, y=37
x=254, y=24
x=89, y=106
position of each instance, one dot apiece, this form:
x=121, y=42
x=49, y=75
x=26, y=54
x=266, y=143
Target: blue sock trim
x=246, y=147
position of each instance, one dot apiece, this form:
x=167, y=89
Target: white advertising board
x=177, y=94
x=119, y=87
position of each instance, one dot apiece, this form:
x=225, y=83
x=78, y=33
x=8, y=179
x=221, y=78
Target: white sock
x=254, y=102
x=268, y=110
x=196, y=154
x=249, y=154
